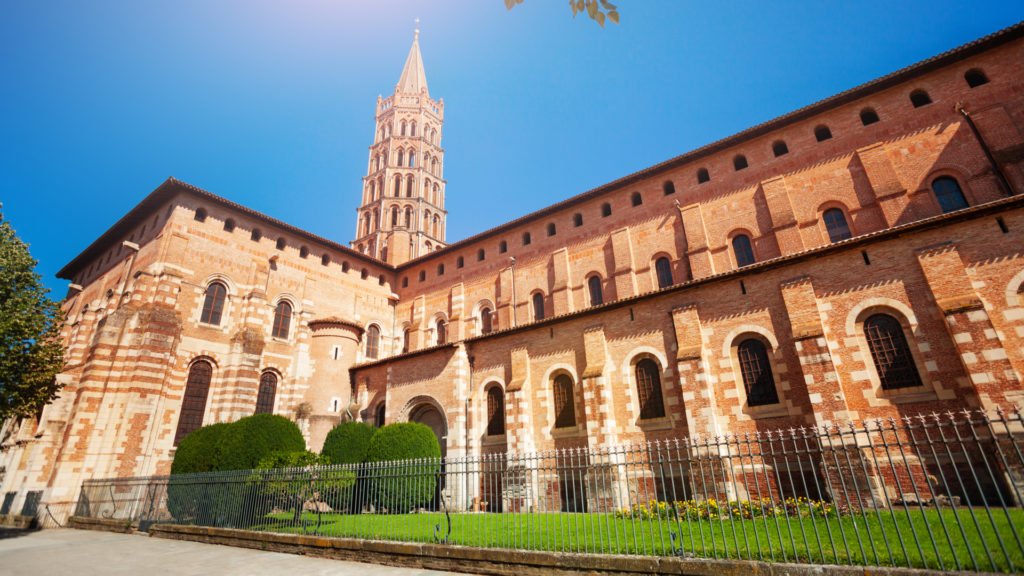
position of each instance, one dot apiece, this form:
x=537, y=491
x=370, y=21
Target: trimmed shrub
x=348, y=443
x=404, y=486
x=253, y=438
x=198, y=452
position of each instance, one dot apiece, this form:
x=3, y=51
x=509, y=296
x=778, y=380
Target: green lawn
x=966, y=539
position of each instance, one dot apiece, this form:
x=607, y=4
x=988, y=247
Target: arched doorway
x=428, y=414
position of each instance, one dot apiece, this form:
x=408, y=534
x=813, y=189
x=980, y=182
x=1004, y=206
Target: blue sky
x=270, y=104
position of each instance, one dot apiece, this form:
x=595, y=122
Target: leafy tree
x=31, y=354
x=348, y=443
x=596, y=10
x=291, y=479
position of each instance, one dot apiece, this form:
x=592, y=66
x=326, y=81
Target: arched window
x=920, y=98
x=890, y=353
x=527, y=238
x=835, y=224
x=408, y=216
x=193, y=403
x=868, y=116
x=460, y=262
x=403, y=127
x=412, y=158
x=433, y=166
x=440, y=269
x=565, y=402
x=442, y=331
x=703, y=176
x=397, y=191
x=256, y=235
x=379, y=414
x=282, y=319
x=325, y=259
x=648, y=387
x=200, y=215
x=267, y=393
x=606, y=210
x=372, y=341
x=408, y=186
x=401, y=156
x=577, y=219
x=739, y=162
x=485, y=320
x=757, y=372
x=213, y=304
x=495, y=411
x=480, y=255
x=405, y=341
x=742, y=250
x=304, y=252
x=594, y=287
x=538, y=306
x=551, y=229
x=229, y=225
x=663, y=268
x=668, y=187
x=779, y=148
x=394, y=216
x=975, y=77
x=502, y=247
x=281, y=243
x=948, y=194
x=412, y=128
x=822, y=133
x=423, y=273
x=636, y=199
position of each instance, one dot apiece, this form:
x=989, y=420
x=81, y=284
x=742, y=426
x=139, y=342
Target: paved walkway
x=88, y=553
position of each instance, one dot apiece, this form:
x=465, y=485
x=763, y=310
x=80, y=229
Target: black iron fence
x=939, y=491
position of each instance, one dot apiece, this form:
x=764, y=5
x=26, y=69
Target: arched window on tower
x=412, y=158
x=756, y=370
x=408, y=216
x=949, y=194
x=282, y=320
x=742, y=250
x=412, y=130
x=401, y=156
x=538, y=306
x=835, y=224
x=266, y=394
x=594, y=288
x=409, y=186
x=485, y=320
x=663, y=269
x=565, y=402
x=193, y=403
x=433, y=166
x=213, y=303
x=893, y=360
x=372, y=341
x=394, y=216
x=437, y=226
x=648, y=384
x=402, y=130
x=495, y=411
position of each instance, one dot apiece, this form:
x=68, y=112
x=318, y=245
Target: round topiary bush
x=253, y=438
x=405, y=461
x=199, y=451
x=348, y=443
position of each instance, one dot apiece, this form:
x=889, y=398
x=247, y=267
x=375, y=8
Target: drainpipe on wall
x=512, y=259
x=1003, y=181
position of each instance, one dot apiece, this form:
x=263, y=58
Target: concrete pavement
x=89, y=553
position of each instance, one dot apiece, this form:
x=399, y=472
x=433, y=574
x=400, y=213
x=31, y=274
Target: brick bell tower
x=402, y=214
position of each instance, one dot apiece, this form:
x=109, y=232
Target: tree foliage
x=596, y=10
x=408, y=450
x=348, y=443
x=197, y=452
x=253, y=438
x=31, y=354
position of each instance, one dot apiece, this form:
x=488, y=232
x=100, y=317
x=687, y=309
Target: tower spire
x=413, y=78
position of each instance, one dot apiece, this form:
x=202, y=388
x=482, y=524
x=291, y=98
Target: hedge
x=404, y=441
x=253, y=438
x=197, y=452
x=348, y=443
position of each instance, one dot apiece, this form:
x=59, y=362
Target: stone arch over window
x=193, y=403
x=606, y=210
x=894, y=359
x=595, y=289
x=919, y=98
x=282, y=320
x=495, y=410
x=214, y=301
x=636, y=199
x=779, y=148
x=281, y=243
x=742, y=249
x=739, y=162
x=975, y=77
x=563, y=390
x=668, y=187
x=836, y=224
x=822, y=133
x=267, y=393
x=372, y=349
x=537, y=300
x=200, y=215
x=703, y=175
x=868, y=116
x=663, y=271
x=753, y=356
x=949, y=194
x=1015, y=291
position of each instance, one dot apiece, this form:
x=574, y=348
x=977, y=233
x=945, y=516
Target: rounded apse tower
x=333, y=348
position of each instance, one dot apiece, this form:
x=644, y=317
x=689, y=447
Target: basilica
x=859, y=258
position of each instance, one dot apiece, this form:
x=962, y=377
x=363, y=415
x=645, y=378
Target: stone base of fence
x=490, y=560
x=18, y=521
x=112, y=525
